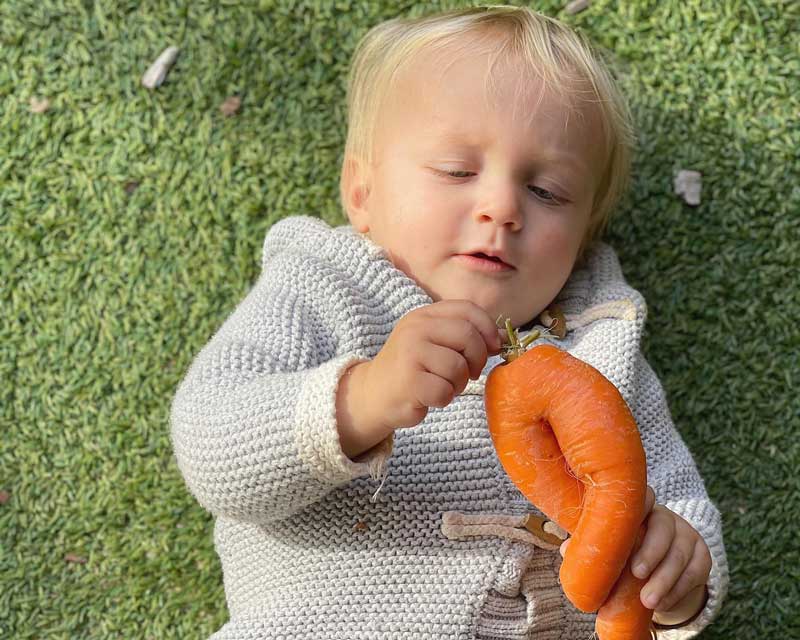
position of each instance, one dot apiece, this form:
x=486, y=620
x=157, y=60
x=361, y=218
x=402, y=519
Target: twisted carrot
x=568, y=441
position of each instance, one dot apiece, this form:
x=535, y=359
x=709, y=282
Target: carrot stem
x=516, y=348
x=512, y=334
x=530, y=338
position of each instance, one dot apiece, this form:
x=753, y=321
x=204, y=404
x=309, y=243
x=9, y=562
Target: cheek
x=556, y=238
x=420, y=213
x=556, y=246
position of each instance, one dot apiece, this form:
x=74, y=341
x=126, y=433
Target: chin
x=492, y=302
x=518, y=317
x=492, y=305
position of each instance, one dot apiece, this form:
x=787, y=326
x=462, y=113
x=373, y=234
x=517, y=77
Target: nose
x=500, y=205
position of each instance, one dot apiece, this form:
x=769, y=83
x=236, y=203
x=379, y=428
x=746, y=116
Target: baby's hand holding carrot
x=681, y=560
x=677, y=561
x=426, y=362
x=429, y=358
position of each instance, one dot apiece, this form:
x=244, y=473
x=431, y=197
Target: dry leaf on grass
x=231, y=105
x=5, y=496
x=158, y=71
x=71, y=557
x=576, y=6
x=688, y=185
x=39, y=105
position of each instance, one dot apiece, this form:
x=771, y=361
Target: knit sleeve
x=253, y=422
x=672, y=473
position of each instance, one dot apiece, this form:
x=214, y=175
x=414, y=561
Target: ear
x=354, y=187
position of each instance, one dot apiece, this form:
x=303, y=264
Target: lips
x=485, y=256
x=498, y=256
x=485, y=262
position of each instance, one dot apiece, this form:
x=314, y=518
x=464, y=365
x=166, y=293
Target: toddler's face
x=459, y=170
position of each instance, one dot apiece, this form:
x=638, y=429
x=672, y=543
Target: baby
x=486, y=149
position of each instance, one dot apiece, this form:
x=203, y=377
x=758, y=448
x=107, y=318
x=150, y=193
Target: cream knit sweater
x=309, y=548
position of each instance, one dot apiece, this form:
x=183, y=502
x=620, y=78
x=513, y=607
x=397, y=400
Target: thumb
x=563, y=548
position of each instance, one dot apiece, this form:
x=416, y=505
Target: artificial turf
x=131, y=224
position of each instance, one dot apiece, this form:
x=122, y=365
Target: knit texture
x=312, y=545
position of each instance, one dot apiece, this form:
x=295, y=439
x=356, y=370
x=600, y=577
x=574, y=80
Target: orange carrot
x=568, y=441
x=623, y=616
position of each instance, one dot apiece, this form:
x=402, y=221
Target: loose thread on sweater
x=378, y=466
x=374, y=497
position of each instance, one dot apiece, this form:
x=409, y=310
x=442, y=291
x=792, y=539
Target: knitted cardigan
x=309, y=549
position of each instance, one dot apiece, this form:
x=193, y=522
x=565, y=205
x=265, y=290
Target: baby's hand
x=677, y=561
x=682, y=559
x=428, y=359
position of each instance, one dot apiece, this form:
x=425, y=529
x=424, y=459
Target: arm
x=678, y=486
x=253, y=422
x=357, y=417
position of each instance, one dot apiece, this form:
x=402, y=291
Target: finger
x=563, y=548
x=666, y=575
x=460, y=336
x=695, y=574
x=658, y=537
x=431, y=390
x=649, y=501
x=447, y=364
x=474, y=314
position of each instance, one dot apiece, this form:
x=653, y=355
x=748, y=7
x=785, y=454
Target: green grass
x=106, y=296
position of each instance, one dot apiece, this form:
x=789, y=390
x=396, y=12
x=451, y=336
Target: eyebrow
x=569, y=159
x=555, y=157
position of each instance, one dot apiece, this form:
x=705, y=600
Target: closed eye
x=459, y=174
x=543, y=194
x=548, y=197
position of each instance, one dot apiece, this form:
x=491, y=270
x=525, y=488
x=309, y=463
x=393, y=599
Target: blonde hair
x=562, y=57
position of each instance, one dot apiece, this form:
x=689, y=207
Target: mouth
x=485, y=262
x=488, y=257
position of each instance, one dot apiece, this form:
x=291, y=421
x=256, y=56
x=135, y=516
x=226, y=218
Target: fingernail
x=651, y=600
x=640, y=571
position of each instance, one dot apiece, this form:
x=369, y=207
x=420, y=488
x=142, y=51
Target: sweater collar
x=592, y=289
